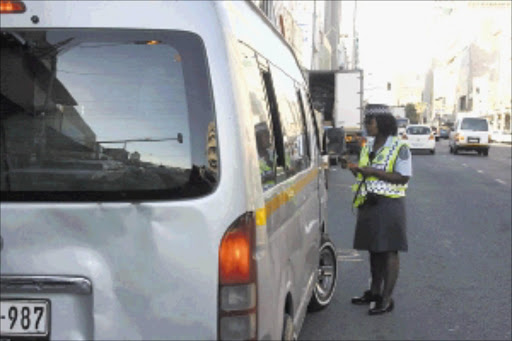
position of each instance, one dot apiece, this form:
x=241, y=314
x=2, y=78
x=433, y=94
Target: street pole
x=313, y=54
x=354, y=37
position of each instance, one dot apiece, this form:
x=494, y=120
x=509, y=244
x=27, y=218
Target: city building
x=471, y=72
x=312, y=28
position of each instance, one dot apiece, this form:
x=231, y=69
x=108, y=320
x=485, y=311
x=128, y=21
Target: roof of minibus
x=249, y=25
x=241, y=19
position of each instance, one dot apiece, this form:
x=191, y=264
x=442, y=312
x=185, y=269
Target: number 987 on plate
x=24, y=318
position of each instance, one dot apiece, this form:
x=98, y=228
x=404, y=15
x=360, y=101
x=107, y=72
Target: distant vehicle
x=501, y=136
x=420, y=137
x=435, y=132
x=334, y=144
x=398, y=111
x=470, y=133
x=444, y=133
x=402, y=123
x=338, y=95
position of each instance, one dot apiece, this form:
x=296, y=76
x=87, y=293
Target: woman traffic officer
x=382, y=175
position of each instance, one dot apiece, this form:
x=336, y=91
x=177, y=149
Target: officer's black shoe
x=365, y=299
x=379, y=308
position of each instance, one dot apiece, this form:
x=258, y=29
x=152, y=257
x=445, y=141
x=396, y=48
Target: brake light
x=348, y=138
x=12, y=7
x=431, y=137
x=235, y=252
x=237, y=281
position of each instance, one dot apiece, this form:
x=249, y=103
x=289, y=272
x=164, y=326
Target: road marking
x=480, y=171
x=341, y=259
x=501, y=181
x=464, y=165
x=348, y=255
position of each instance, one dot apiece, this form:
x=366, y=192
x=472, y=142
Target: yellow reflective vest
x=384, y=160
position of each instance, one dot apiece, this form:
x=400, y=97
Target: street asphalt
x=455, y=280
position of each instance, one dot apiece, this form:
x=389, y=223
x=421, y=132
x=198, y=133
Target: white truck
x=401, y=120
x=338, y=95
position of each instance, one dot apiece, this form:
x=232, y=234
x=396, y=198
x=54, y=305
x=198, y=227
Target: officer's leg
x=376, y=266
x=392, y=265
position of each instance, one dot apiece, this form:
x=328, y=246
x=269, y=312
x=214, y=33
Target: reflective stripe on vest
x=385, y=160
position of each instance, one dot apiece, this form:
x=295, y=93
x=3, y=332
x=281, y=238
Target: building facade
x=472, y=69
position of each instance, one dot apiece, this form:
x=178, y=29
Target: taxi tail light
x=12, y=7
x=431, y=137
x=237, y=296
x=348, y=138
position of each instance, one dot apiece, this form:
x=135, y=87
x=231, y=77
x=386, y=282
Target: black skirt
x=382, y=227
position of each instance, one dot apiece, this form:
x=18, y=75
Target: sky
x=394, y=36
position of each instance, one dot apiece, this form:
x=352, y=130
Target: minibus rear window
x=475, y=124
x=105, y=115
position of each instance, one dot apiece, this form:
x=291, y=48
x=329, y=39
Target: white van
x=160, y=174
x=470, y=133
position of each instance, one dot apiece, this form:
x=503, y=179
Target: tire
x=485, y=152
x=288, y=328
x=455, y=151
x=432, y=151
x=327, y=274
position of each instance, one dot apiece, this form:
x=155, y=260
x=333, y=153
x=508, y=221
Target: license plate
x=473, y=140
x=24, y=318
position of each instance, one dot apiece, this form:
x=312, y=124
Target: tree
x=411, y=113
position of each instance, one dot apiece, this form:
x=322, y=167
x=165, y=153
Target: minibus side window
x=265, y=142
x=294, y=138
x=276, y=123
x=310, y=112
x=305, y=131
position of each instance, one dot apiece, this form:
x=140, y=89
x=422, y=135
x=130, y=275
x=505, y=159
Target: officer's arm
x=394, y=178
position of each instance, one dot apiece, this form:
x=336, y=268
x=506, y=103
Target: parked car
x=159, y=174
x=420, y=137
x=470, y=134
x=501, y=136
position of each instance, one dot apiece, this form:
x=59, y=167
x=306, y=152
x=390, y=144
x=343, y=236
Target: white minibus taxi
x=161, y=174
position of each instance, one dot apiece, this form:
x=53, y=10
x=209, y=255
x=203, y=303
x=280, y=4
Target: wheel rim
x=326, y=274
